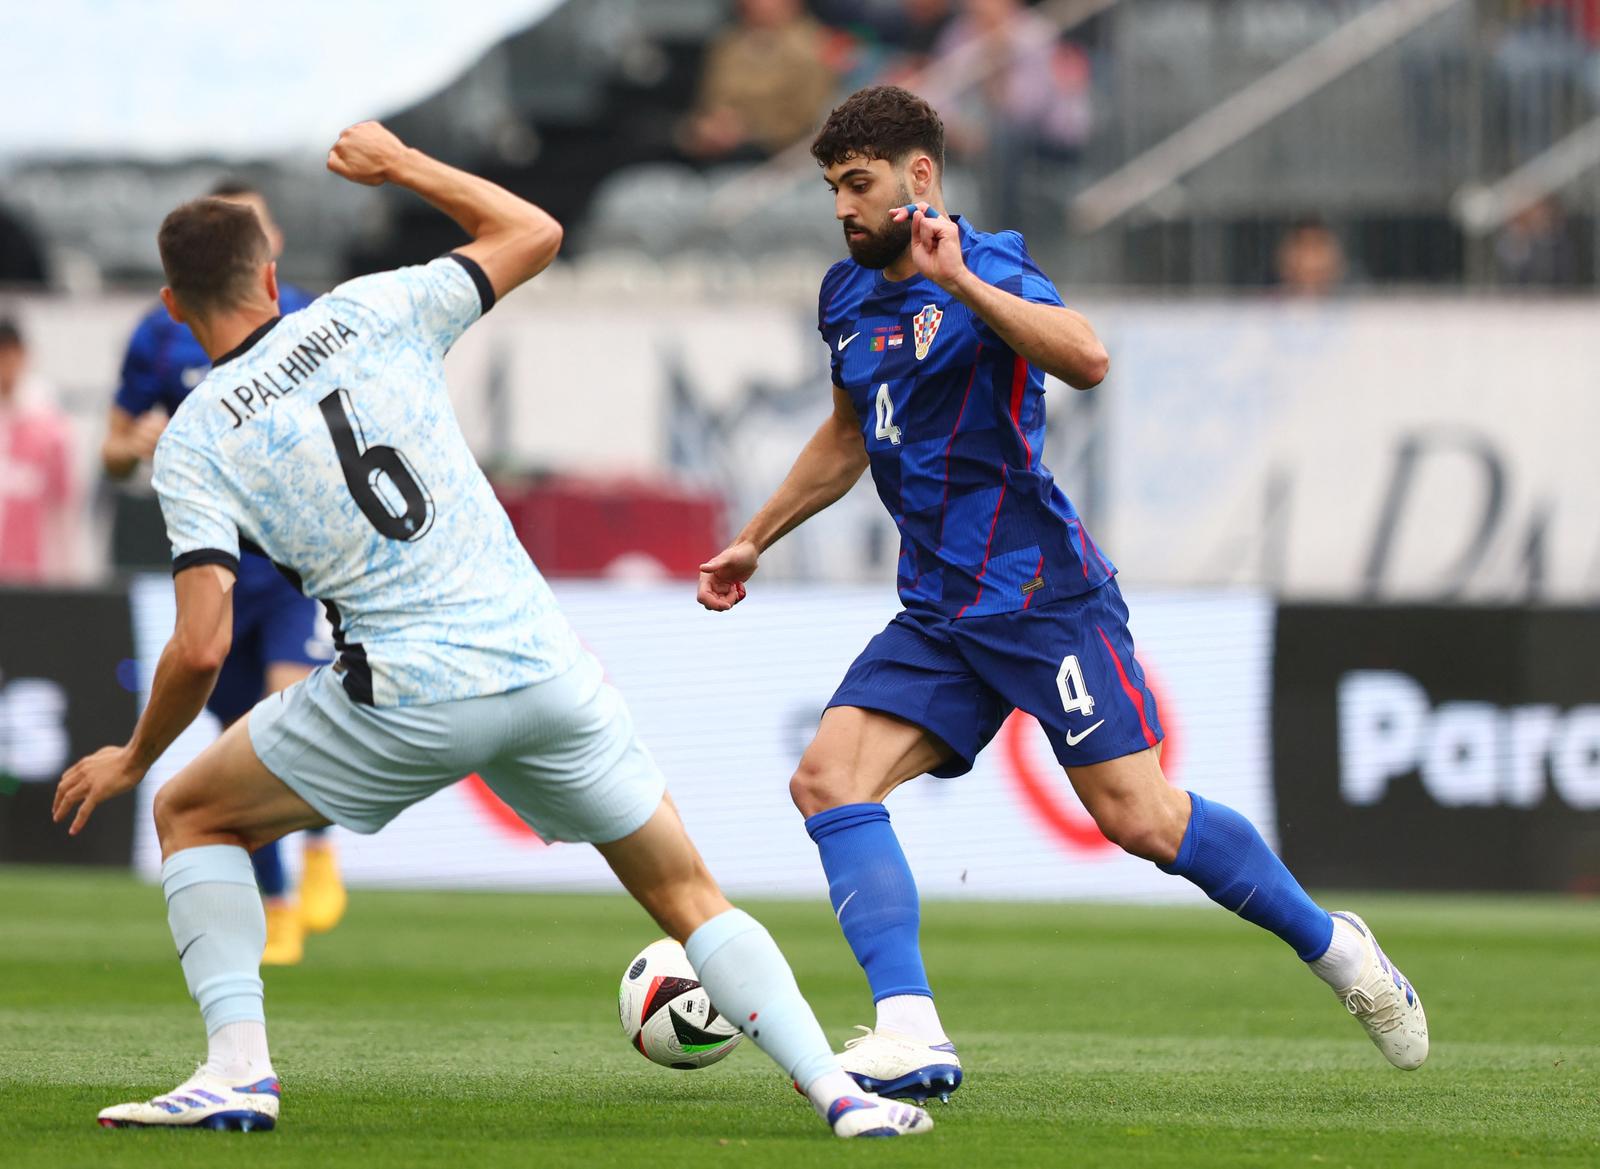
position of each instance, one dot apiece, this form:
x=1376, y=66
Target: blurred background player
x=940, y=336
x=37, y=497
x=278, y=636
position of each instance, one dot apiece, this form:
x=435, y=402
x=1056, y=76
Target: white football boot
x=873, y=1116
x=901, y=1068
x=204, y=1100
x=1386, y=1003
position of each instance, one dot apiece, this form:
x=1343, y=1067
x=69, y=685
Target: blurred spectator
x=767, y=82
x=1533, y=247
x=1547, y=54
x=905, y=31
x=1011, y=93
x=1309, y=261
x=37, y=517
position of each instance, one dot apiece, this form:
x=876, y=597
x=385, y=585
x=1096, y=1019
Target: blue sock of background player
x=270, y=878
x=875, y=899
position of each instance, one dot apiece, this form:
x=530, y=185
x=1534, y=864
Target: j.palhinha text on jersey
x=327, y=441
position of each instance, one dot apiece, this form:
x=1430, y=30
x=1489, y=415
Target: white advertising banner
x=1372, y=449
x=1355, y=449
x=727, y=702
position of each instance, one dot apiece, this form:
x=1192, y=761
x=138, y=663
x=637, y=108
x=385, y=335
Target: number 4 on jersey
x=886, y=427
x=375, y=473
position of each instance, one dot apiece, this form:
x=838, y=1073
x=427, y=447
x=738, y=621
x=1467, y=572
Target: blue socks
x=268, y=864
x=874, y=896
x=1224, y=855
x=219, y=928
x=750, y=982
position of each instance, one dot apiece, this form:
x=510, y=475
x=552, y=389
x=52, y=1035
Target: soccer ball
x=667, y=1015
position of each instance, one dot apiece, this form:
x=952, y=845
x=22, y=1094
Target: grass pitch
x=478, y=1031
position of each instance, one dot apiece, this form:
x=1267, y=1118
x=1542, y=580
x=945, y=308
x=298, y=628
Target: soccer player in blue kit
x=940, y=337
x=276, y=636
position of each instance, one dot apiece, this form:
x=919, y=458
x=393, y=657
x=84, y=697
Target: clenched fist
x=366, y=153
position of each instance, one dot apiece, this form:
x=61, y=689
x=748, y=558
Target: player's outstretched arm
x=827, y=467
x=512, y=240
x=1056, y=339
x=184, y=677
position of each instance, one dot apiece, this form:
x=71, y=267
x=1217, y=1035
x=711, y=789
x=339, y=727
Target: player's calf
x=1134, y=806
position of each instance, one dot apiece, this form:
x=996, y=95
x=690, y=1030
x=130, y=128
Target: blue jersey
x=164, y=361
x=162, y=365
x=954, y=425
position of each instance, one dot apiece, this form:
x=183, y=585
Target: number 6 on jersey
x=365, y=469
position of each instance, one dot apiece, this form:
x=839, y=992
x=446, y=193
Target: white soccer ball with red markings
x=666, y=1013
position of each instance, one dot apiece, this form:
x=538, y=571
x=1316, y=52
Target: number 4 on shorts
x=1075, y=696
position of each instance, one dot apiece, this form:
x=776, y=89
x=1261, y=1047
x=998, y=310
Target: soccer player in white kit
x=326, y=440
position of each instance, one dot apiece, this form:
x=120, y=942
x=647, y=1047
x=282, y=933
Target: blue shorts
x=1069, y=664
x=273, y=622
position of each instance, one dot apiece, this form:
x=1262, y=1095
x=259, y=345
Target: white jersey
x=328, y=442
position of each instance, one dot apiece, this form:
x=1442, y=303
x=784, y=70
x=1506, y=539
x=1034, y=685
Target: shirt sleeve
x=198, y=524
x=438, y=300
x=831, y=284
x=1004, y=262
x=139, y=387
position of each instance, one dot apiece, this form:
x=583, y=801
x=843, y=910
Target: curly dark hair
x=881, y=121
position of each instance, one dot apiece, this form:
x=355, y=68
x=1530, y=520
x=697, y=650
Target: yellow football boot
x=286, y=935
x=322, y=895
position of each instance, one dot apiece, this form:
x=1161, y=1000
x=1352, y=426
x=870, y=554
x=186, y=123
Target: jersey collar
x=244, y=346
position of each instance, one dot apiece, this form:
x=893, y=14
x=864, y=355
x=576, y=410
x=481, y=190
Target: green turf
x=478, y=1030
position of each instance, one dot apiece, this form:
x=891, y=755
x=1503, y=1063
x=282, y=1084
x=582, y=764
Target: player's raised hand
x=722, y=577
x=365, y=154
x=92, y=781
x=935, y=244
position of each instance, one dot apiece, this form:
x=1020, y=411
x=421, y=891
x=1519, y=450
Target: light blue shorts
x=561, y=753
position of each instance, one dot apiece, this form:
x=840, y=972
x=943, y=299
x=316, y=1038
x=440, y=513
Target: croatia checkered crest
x=925, y=327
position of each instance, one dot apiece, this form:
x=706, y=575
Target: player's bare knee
x=174, y=814
x=1143, y=832
x=818, y=785
x=162, y=812
x=1137, y=828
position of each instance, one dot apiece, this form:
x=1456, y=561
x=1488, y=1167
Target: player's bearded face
x=879, y=244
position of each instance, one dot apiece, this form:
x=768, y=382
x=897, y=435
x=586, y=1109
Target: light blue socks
x=220, y=930
x=750, y=982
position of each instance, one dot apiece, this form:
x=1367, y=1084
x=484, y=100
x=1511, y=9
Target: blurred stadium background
x=1343, y=252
